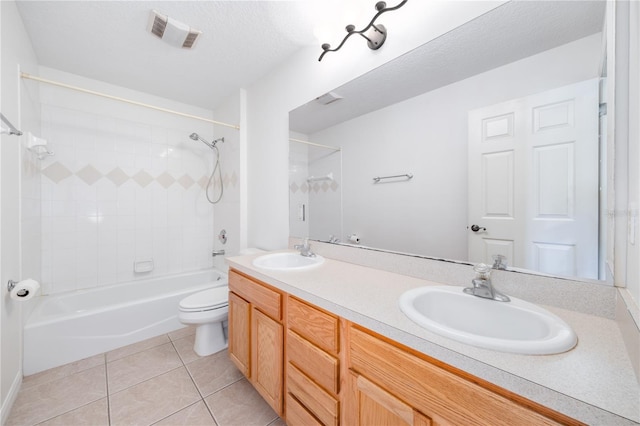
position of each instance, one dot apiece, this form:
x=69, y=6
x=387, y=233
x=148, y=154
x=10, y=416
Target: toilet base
x=210, y=338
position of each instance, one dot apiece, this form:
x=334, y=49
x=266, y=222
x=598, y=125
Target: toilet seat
x=214, y=298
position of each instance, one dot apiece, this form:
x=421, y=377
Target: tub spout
x=217, y=253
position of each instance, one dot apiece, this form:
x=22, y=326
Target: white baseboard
x=7, y=404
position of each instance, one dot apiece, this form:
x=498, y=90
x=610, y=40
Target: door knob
x=476, y=228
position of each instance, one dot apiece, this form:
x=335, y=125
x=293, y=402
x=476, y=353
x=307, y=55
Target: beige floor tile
x=240, y=405
x=141, y=366
x=194, y=415
x=62, y=371
x=184, y=347
x=278, y=422
x=183, y=332
x=153, y=400
x=213, y=372
x=94, y=414
x=42, y=402
x=137, y=347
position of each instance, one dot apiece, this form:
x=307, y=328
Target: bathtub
x=69, y=327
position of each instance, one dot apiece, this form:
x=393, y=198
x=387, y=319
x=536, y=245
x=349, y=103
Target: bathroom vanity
x=330, y=346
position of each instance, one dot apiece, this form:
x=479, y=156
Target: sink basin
x=287, y=261
x=516, y=326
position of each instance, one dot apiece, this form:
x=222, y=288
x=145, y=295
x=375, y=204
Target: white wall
x=226, y=213
x=126, y=183
x=633, y=246
x=19, y=104
x=427, y=136
x=303, y=78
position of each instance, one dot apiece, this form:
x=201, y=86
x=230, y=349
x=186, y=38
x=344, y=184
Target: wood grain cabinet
x=390, y=385
x=256, y=336
x=313, y=367
x=316, y=368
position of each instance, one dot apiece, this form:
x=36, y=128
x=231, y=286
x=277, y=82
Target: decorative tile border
x=304, y=187
x=57, y=172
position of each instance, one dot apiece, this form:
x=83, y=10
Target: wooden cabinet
x=240, y=333
x=256, y=336
x=389, y=383
x=376, y=406
x=313, y=367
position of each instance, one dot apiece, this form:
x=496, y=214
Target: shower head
x=196, y=137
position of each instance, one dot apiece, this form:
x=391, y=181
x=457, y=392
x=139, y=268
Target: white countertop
x=593, y=383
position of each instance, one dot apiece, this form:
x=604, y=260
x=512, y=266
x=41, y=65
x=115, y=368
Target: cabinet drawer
x=263, y=298
x=313, y=397
x=433, y=390
x=315, y=325
x=297, y=415
x=316, y=363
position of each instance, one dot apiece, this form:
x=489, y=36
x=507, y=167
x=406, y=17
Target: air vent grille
x=172, y=31
x=158, y=24
x=191, y=39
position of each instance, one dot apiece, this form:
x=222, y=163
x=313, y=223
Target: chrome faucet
x=482, y=287
x=305, y=248
x=499, y=262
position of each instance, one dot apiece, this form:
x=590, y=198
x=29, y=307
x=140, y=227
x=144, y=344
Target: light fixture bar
x=375, y=38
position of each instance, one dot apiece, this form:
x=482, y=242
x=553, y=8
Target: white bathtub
x=71, y=326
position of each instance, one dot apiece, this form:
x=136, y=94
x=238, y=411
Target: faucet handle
x=482, y=270
x=499, y=261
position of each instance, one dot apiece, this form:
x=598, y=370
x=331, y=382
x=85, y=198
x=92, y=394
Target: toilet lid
x=212, y=298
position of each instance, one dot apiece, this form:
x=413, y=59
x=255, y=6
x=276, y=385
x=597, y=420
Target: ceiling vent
x=328, y=98
x=171, y=31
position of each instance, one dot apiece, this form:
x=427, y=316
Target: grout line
x=215, y=420
x=166, y=417
x=106, y=379
x=149, y=378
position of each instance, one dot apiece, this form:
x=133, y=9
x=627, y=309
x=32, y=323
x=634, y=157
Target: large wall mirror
x=485, y=141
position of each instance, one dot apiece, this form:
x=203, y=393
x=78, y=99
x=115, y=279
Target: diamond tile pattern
x=57, y=172
x=186, y=181
x=142, y=178
x=317, y=187
x=89, y=175
x=165, y=180
x=117, y=176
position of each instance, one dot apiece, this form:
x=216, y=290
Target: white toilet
x=208, y=310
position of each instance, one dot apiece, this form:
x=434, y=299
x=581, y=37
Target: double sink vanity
x=328, y=342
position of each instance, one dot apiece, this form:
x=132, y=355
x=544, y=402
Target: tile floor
x=160, y=381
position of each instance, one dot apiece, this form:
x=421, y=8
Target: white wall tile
x=133, y=192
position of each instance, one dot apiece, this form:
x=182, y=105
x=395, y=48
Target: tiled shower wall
x=314, y=181
x=122, y=188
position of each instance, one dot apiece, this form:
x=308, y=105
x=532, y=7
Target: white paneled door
x=533, y=181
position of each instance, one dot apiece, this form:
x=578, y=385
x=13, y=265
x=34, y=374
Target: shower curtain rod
x=315, y=144
x=129, y=101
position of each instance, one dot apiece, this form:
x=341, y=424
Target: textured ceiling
x=513, y=31
x=108, y=41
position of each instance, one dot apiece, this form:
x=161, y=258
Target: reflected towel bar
x=329, y=176
x=10, y=128
x=379, y=178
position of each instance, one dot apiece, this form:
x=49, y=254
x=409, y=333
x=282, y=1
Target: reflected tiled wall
x=117, y=191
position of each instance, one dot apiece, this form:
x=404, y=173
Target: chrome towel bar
x=379, y=178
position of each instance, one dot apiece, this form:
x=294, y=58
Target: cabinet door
x=266, y=358
x=376, y=406
x=240, y=333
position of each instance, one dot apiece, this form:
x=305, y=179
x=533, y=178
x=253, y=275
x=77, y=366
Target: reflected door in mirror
x=533, y=181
